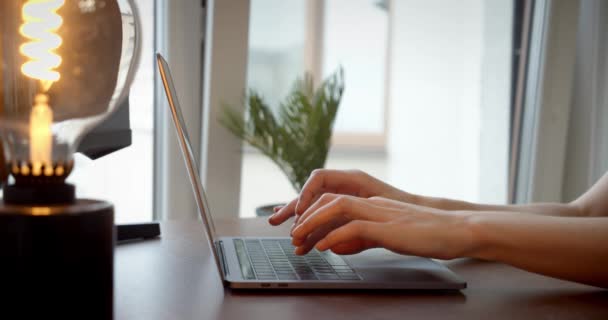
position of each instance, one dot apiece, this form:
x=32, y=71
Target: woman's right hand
x=347, y=182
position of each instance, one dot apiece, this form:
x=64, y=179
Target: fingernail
x=299, y=250
x=294, y=226
x=295, y=231
x=321, y=245
x=297, y=209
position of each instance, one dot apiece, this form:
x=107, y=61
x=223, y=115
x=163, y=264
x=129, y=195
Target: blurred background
x=428, y=106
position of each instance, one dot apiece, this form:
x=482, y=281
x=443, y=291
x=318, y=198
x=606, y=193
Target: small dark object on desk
x=128, y=232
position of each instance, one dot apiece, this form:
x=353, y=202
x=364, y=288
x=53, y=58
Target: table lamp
x=65, y=66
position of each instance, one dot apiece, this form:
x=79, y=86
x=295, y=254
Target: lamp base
x=60, y=193
x=56, y=262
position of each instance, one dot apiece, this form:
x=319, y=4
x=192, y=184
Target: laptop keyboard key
x=275, y=259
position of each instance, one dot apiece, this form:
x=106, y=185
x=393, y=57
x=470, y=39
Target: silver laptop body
x=269, y=262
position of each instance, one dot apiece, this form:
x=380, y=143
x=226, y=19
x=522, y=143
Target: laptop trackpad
x=383, y=265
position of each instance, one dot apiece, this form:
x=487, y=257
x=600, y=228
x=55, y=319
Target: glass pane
x=125, y=177
x=276, y=57
x=450, y=98
x=355, y=37
x=431, y=77
x=276, y=46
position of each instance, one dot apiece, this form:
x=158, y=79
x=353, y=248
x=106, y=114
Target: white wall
x=355, y=38
x=450, y=87
x=276, y=47
x=495, y=100
x=435, y=97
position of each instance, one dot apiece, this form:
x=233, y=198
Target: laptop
x=270, y=262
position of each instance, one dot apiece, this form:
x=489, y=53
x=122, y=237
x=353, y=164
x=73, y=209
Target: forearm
x=550, y=209
x=563, y=247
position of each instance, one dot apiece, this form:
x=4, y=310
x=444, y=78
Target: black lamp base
x=56, y=262
x=59, y=193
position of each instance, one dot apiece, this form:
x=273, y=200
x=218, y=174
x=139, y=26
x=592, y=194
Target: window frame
x=178, y=36
x=313, y=63
x=541, y=149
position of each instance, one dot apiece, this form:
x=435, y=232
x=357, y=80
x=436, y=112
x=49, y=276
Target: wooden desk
x=174, y=278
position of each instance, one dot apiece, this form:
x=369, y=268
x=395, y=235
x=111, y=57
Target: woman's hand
x=352, y=182
x=347, y=225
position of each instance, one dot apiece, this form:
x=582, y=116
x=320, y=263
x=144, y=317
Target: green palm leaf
x=298, y=137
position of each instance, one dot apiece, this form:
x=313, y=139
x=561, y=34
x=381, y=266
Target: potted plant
x=297, y=136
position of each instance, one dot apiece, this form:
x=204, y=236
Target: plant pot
x=267, y=210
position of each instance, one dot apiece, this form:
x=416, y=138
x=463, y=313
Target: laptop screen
x=186, y=147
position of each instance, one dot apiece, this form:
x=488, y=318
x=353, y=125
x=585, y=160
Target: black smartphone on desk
x=137, y=231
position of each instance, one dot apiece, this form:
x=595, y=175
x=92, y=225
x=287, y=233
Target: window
x=427, y=94
x=355, y=37
x=125, y=177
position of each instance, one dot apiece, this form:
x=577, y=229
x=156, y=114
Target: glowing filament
x=41, y=136
x=40, y=23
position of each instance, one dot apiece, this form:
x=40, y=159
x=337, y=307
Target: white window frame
x=179, y=34
x=183, y=29
x=225, y=77
x=313, y=62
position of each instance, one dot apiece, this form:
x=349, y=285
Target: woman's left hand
x=347, y=225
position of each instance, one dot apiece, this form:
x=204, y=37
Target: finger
x=369, y=233
x=283, y=214
x=352, y=247
x=298, y=217
x=323, y=180
x=351, y=208
x=328, y=197
x=313, y=186
x=390, y=203
x=323, y=230
x=277, y=208
x=294, y=225
x=297, y=242
x=320, y=202
x=305, y=245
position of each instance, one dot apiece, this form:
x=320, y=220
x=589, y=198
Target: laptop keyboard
x=273, y=259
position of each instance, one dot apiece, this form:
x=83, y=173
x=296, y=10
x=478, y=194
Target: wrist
x=477, y=229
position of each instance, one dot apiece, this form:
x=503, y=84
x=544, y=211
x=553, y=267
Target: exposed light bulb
x=64, y=69
x=40, y=24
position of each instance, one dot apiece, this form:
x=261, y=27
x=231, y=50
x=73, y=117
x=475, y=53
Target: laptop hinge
x=219, y=249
